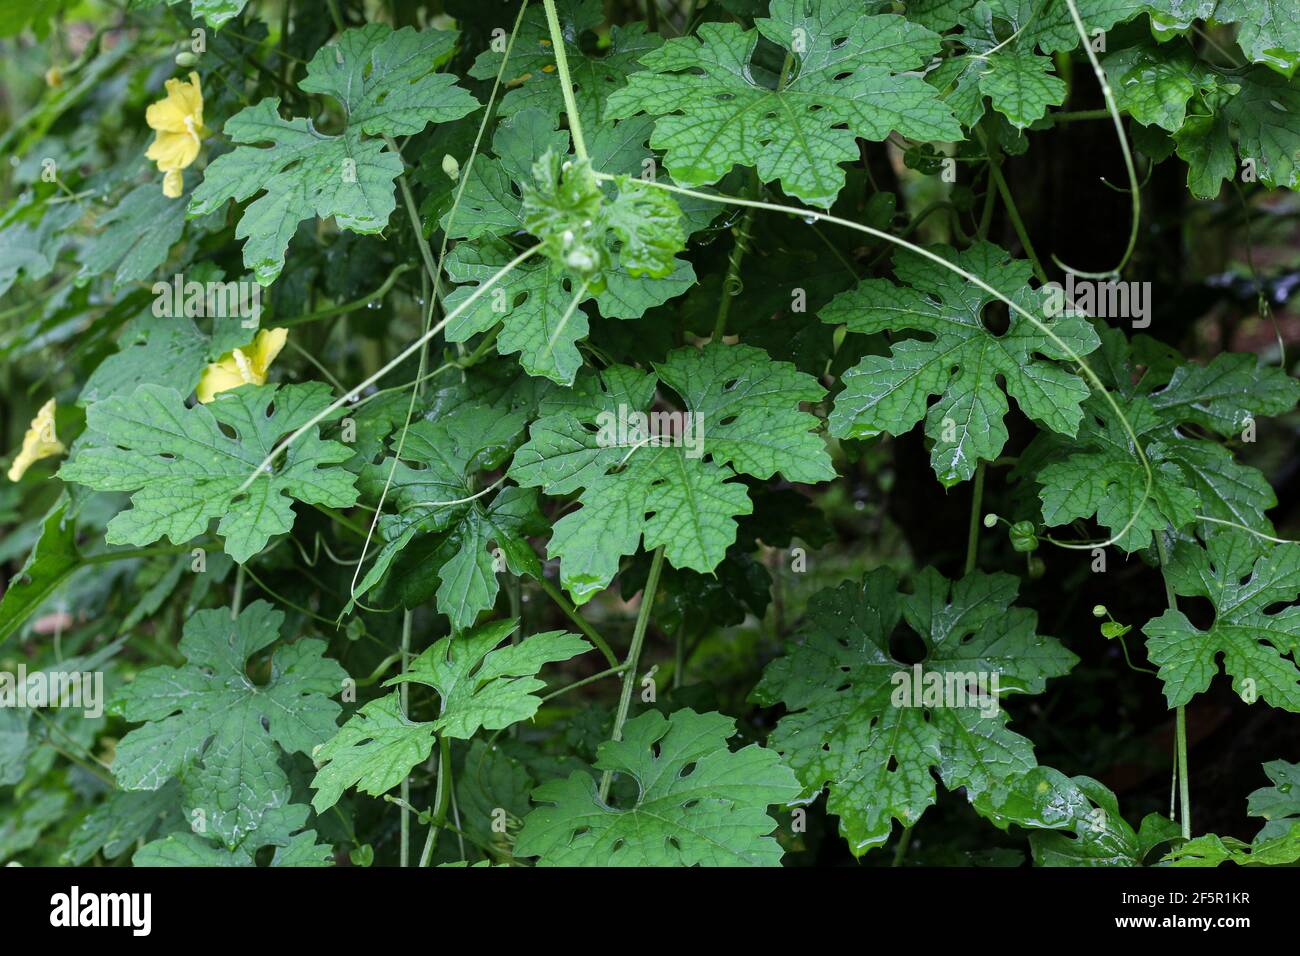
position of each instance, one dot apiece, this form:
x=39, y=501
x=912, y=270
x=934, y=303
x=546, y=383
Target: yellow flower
x=246, y=365
x=39, y=442
x=178, y=120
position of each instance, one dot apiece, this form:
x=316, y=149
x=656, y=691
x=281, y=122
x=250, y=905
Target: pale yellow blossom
x=178, y=120
x=246, y=365
x=39, y=442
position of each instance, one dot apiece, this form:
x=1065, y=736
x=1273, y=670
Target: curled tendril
x=1134, y=189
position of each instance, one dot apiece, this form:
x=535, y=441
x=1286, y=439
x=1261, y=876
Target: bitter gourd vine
x=553, y=435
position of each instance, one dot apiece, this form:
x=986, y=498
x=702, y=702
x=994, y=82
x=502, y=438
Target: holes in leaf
x=764, y=66
x=996, y=318
x=1199, y=611
x=906, y=647
x=687, y=770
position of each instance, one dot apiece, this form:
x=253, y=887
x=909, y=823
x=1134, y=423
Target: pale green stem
x=633, y=657
x=441, y=801
x=1013, y=212
x=431, y=284
x=1180, y=713
x=608, y=672
x=1134, y=194
x=1065, y=347
x=406, y=353
x=566, y=84
x=556, y=595
x=352, y=306
x=405, y=849
x=973, y=533
x=731, y=282
x=237, y=602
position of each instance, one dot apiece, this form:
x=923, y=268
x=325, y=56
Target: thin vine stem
x=731, y=282
x=401, y=357
x=1013, y=212
x=973, y=532
x=608, y=672
x=563, y=603
x=1180, y=713
x=566, y=84
x=101, y=771
x=633, y=657
x=438, y=816
x=431, y=284
x=1135, y=210
x=382, y=290
x=237, y=600
x=404, y=850
x=815, y=216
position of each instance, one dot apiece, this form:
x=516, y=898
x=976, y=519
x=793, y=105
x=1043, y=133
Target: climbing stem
x=355, y=304
x=812, y=215
x=430, y=285
x=404, y=850
x=100, y=771
x=1180, y=713
x=900, y=851
x=973, y=534
x=1184, y=791
x=237, y=601
x=679, y=656
x=566, y=84
x=1135, y=194
x=1074, y=116
x=413, y=215
x=986, y=216
x=563, y=603
x=393, y=363
x=1013, y=213
x=633, y=656
x=731, y=285
x=335, y=15
x=441, y=802
x=608, y=672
